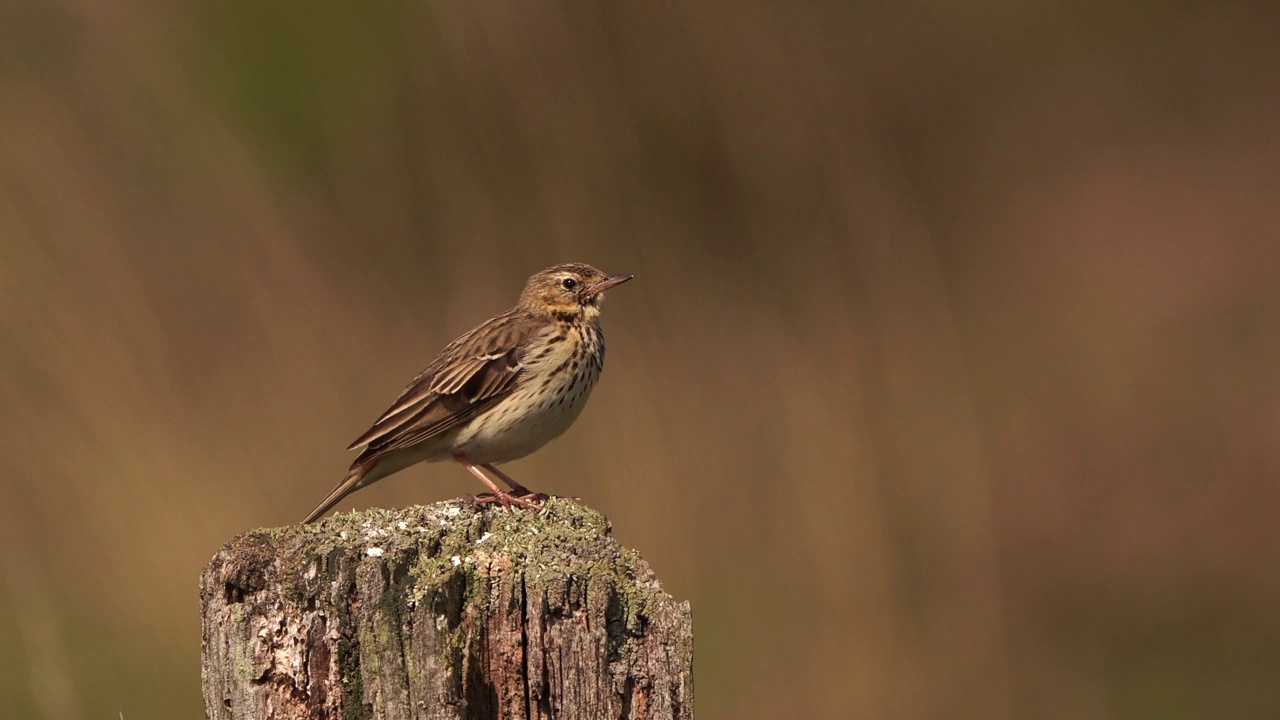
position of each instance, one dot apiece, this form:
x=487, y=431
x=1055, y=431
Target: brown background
x=949, y=386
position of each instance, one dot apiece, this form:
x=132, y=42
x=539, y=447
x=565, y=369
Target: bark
x=445, y=611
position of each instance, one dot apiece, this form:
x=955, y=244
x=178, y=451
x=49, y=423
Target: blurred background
x=949, y=386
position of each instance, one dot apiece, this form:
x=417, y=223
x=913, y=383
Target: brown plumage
x=497, y=393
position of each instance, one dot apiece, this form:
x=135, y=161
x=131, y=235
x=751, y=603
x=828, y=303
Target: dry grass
x=949, y=385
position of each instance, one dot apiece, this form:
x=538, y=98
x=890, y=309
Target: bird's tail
x=355, y=479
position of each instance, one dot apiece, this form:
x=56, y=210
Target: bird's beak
x=605, y=284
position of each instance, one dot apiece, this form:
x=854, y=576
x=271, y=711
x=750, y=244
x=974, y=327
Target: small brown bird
x=497, y=393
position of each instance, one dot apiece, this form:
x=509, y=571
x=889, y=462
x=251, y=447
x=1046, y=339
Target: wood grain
x=446, y=611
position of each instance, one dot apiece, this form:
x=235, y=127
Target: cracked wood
x=446, y=611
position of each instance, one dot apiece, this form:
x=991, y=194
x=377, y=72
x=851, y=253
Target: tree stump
x=446, y=611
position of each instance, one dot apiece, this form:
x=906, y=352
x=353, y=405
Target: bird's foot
x=518, y=490
x=527, y=499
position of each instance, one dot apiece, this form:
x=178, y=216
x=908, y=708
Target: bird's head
x=573, y=291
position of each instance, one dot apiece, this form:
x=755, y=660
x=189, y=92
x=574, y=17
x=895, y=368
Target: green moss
x=242, y=667
x=352, y=683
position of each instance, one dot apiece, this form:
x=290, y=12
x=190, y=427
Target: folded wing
x=472, y=374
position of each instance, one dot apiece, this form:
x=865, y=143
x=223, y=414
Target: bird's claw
x=528, y=499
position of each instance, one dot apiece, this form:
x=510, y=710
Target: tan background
x=949, y=386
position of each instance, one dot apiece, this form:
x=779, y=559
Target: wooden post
x=445, y=611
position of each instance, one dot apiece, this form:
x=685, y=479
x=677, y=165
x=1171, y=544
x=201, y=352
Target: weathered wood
x=444, y=611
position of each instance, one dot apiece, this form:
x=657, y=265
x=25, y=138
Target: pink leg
x=505, y=499
x=516, y=487
x=517, y=490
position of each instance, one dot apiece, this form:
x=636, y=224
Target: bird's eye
x=568, y=283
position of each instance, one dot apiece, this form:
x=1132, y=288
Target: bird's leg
x=498, y=495
x=519, y=490
x=516, y=488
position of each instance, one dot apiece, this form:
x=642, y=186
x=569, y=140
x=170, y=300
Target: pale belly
x=526, y=421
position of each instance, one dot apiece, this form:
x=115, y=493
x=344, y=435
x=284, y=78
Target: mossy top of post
x=561, y=538
x=453, y=522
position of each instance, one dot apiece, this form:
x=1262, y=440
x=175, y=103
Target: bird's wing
x=469, y=376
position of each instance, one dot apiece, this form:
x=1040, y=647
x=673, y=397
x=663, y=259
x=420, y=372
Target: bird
x=497, y=393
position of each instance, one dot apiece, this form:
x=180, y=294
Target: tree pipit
x=497, y=393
